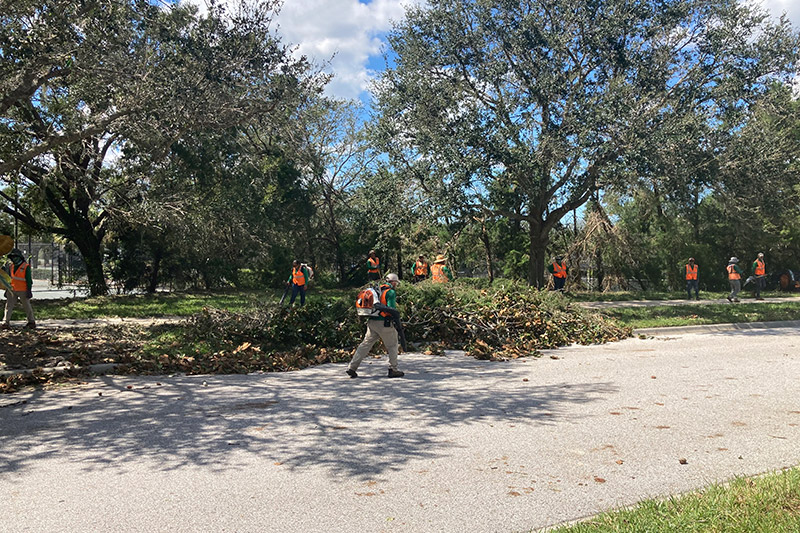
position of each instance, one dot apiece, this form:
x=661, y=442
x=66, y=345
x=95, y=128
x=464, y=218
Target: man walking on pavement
x=692, y=279
x=559, y=271
x=373, y=267
x=380, y=327
x=760, y=274
x=21, y=285
x=734, y=278
x=421, y=269
x=298, y=281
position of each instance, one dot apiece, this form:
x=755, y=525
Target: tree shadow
x=315, y=417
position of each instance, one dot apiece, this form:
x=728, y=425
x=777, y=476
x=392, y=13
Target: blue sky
x=350, y=34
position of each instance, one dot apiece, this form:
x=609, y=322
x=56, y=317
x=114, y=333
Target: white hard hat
x=392, y=277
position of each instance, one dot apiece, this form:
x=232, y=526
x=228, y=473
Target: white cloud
x=778, y=7
x=343, y=34
x=348, y=33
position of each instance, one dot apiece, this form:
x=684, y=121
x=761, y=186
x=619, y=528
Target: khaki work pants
x=11, y=302
x=376, y=330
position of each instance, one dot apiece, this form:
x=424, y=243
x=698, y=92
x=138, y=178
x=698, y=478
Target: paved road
x=44, y=290
x=458, y=445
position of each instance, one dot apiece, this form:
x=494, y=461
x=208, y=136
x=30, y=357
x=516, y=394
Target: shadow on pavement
x=315, y=417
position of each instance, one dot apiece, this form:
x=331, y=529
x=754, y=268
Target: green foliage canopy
x=556, y=99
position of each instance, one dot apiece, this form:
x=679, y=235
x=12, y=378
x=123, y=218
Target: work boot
x=5, y=326
x=30, y=325
x=729, y=299
x=396, y=373
x=352, y=373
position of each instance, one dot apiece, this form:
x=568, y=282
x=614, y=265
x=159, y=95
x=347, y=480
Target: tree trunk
x=696, y=216
x=600, y=270
x=487, y=245
x=152, y=283
x=334, y=237
x=399, y=261
x=536, y=253
x=90, y=249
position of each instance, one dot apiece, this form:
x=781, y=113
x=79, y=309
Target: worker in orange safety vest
x=421, y=269
x=559, y=271
x=439, y=272
x=298, y=281
x=373, y=266
x=692, y=279
x=734, y=278
x=760, y=275
x=21, y=285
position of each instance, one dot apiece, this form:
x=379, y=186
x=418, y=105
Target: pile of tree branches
x=502, y=322
x=506, y=321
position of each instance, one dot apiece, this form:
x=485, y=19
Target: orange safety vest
x=18, y=282
x=760, y=268
x=438, y=273
x=298, y=278
x=420, y=269
x=732, y=274
x=691, y=273
x=374, y=265
x=559, y=271
x=384, y=290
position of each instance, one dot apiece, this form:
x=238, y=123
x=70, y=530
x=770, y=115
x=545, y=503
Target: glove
x=30, y=294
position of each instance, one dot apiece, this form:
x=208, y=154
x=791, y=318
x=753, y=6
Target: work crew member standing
x=421, y=269
x=734, y=278
x=373, y=267
x=380, y=327
x=21, y=284
x=298, y=281
x=692, y=279
x=559, y=271
x=760, y=273
x=439, y=272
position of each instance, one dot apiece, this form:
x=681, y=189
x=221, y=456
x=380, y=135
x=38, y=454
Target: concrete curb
x=713, y=328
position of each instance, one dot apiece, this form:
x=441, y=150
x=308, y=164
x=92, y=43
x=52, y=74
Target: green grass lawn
x=620, y=296
x=142, y=305
x=692, y=314
x=767, y=504
x=185, y=304
x=162, y=304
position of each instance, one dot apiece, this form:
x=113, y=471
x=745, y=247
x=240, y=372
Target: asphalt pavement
x=457, y=445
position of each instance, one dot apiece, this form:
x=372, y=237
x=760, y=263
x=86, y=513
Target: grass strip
x=769, y=503
x=625, y=296
x=141, y=305
x=692, y=314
